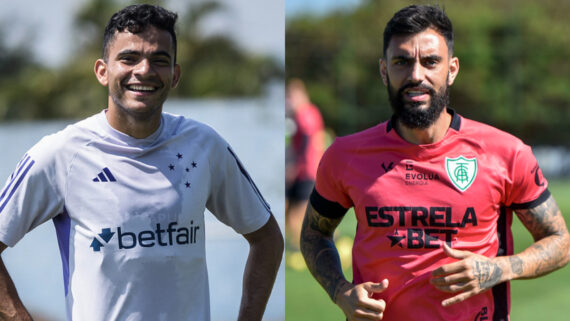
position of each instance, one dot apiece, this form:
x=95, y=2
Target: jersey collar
x=128, y=140
x=455, y=121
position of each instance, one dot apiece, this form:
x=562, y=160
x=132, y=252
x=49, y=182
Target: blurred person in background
x=304, y=152
x=127, y=190
x=434, y=195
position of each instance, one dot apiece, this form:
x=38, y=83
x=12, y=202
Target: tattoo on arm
x=488, y=274
x=550, y=250
x=516, y=265
x=320, y=252
x=543, y=220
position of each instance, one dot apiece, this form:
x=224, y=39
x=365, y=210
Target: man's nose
x=417, y=72
x=143, y=67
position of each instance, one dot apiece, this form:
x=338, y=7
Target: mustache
x=429, y=89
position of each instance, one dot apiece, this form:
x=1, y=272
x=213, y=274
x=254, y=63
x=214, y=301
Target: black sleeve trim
x=251, y=182
x=325, y=207
x=541, y=199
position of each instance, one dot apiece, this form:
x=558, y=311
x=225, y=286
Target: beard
x=410, y=114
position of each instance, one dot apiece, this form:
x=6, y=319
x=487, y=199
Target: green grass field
x=545, y=298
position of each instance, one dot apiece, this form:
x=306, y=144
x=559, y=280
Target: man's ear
x=176, y=75
x=453, y=70
x=383, y=71
x=101, y=72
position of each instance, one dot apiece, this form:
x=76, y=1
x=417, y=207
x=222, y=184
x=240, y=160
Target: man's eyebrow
x=433, y=57
x=402, y=57
x=128, y=52
x=138, y=53
x=162, y=53
x=408, y=57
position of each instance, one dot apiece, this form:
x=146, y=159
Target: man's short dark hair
x=136, y=19
x=417, y=18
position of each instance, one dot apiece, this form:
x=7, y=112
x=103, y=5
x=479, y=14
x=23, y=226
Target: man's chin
x=417, y=105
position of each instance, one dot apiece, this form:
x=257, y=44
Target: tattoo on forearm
x=550, y=250
x=488, y=274
x=320, y=252
x=516, y=265
x=545, y=259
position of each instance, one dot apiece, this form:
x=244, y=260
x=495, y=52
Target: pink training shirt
x=408, y=199
x=307, y=142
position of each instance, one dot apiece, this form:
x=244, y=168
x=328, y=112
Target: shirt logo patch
x=388, y=168
x=418, y=176
x=461, y=171
x=105, y=176
x=180, y=166
x=483, y=315
x=169, y=235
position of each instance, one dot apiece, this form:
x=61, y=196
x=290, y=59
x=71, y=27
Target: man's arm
x=552, y=242
x=476, y=273
x=265, y=253
x=11, y=307
x=321, y=256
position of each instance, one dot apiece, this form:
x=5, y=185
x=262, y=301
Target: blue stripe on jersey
x=62, y=224
x=18, y=166
x=246, y=174
x=102, y=177
x=108, y=172
x=15, y=174
x=16, y=180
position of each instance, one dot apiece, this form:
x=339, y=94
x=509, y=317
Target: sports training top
x=306, y=143
x=129, y=214
x=408, y=199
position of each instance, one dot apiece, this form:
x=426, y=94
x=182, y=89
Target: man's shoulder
x=346, y=148
x=188, y=131
x=373, y=136
x=72, y=136
x=57, y=150
x=491, y=136
x=178, y=125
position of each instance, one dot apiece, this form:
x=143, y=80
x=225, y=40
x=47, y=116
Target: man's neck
x=133, y=127
x=433, y=134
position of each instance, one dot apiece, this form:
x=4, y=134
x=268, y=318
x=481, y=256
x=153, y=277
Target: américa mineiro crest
x=461, y=171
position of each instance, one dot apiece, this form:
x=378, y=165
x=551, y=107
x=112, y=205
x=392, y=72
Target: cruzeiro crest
x=461, y=171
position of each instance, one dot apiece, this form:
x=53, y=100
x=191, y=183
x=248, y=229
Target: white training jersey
x=129, y=214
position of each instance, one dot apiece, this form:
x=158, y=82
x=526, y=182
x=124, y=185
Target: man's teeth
x=141, y=88
x=415, y=93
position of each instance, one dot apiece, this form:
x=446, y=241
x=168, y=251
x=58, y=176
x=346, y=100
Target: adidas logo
x=105, y=176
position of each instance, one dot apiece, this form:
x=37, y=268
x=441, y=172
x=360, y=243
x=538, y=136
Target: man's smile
x=141, y=89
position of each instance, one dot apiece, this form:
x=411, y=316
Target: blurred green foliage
x=514, y=65
x=212, y=66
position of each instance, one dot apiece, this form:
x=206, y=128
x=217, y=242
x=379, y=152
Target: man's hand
x=471, y=275
x=322, y=259
x=357, y=303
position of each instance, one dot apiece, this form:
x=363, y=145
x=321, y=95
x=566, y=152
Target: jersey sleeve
x=30, y=196
x=526, y=187
x=234, y=198
x=329, y=198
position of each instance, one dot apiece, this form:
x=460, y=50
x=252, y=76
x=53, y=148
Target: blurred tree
x=212, y=66
x=215, y=66
x=513, y=57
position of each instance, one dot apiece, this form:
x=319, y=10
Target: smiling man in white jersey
x=434, y=195
x=127, y=189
